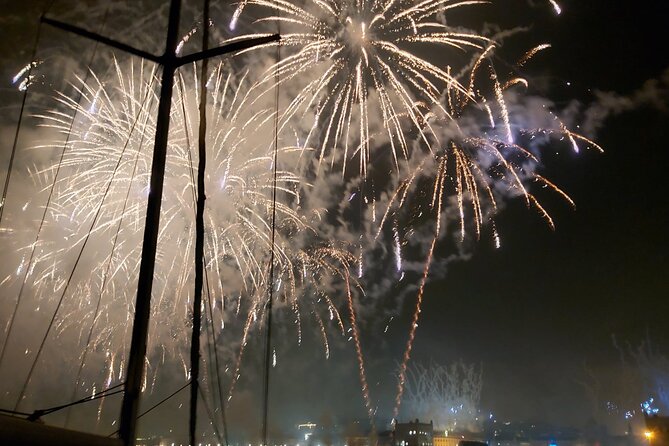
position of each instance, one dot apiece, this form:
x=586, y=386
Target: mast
x=170, y=63
x=199, y=234
x=140, y=326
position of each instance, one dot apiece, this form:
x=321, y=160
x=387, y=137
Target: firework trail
x=318, y=266
x=478, y=149
x=361, y=84
x=437, y=198
x=365, y=70
x=359, y=355
x=479, y=165
x=363, y=56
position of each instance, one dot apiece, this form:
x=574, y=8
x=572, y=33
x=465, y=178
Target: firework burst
x=488, y=152
x=370, y=77
x=96, y=214
x=364, y=79
x=358, y=78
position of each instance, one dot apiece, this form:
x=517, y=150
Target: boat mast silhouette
x=170, y=63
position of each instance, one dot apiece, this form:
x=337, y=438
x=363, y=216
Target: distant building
x=305, y=432
x=357, y=441
x=384, y=438
x=441, y=440
x=413, y=433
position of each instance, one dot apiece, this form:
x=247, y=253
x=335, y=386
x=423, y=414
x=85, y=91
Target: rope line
x=195, y=356
x=79, y=256
x=33, y=57
x=268, y=308
x=41, y=412
x=3, y=203
x=181, y=88
x=210, y=414
x=150, y=409
x=15, y=412
x=105, y=276
x=107, y=392
x=217, y=367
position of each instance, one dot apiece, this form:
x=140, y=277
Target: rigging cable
x=41, y=412
x=79, y=256
x=216, y=362
x=106, y=274
x=182, y=88
x=96, y=396
x=3, y=203
x=200, y=254
x=210, y=414
x=15, y=412
x=171, y=395
x=80, y=94
x=199, y=232
x=268, y=308
x=31, y=65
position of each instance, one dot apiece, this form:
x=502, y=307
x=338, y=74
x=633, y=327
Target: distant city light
x=647, y=407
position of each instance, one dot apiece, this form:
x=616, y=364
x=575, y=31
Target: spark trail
x=482, y=162
x=359, y=61
x=102, y=185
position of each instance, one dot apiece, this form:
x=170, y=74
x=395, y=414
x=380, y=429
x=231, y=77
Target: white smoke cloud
x=654, y=93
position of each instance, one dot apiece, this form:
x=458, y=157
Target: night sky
x=536, y=310
x=547, y=304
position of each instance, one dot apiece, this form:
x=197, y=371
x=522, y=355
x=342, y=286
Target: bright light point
x=16, y=78
x=648, y=434
x=574, y=144
x=233, y=21
x=556, y=7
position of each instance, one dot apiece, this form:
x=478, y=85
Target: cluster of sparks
x=360, y=85
x=361, y=52
x=365, y=52
x=96, y=208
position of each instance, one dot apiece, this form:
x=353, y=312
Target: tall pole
x=270, y=291
x=199, y=233
x=170, y=62
x=135, y=371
